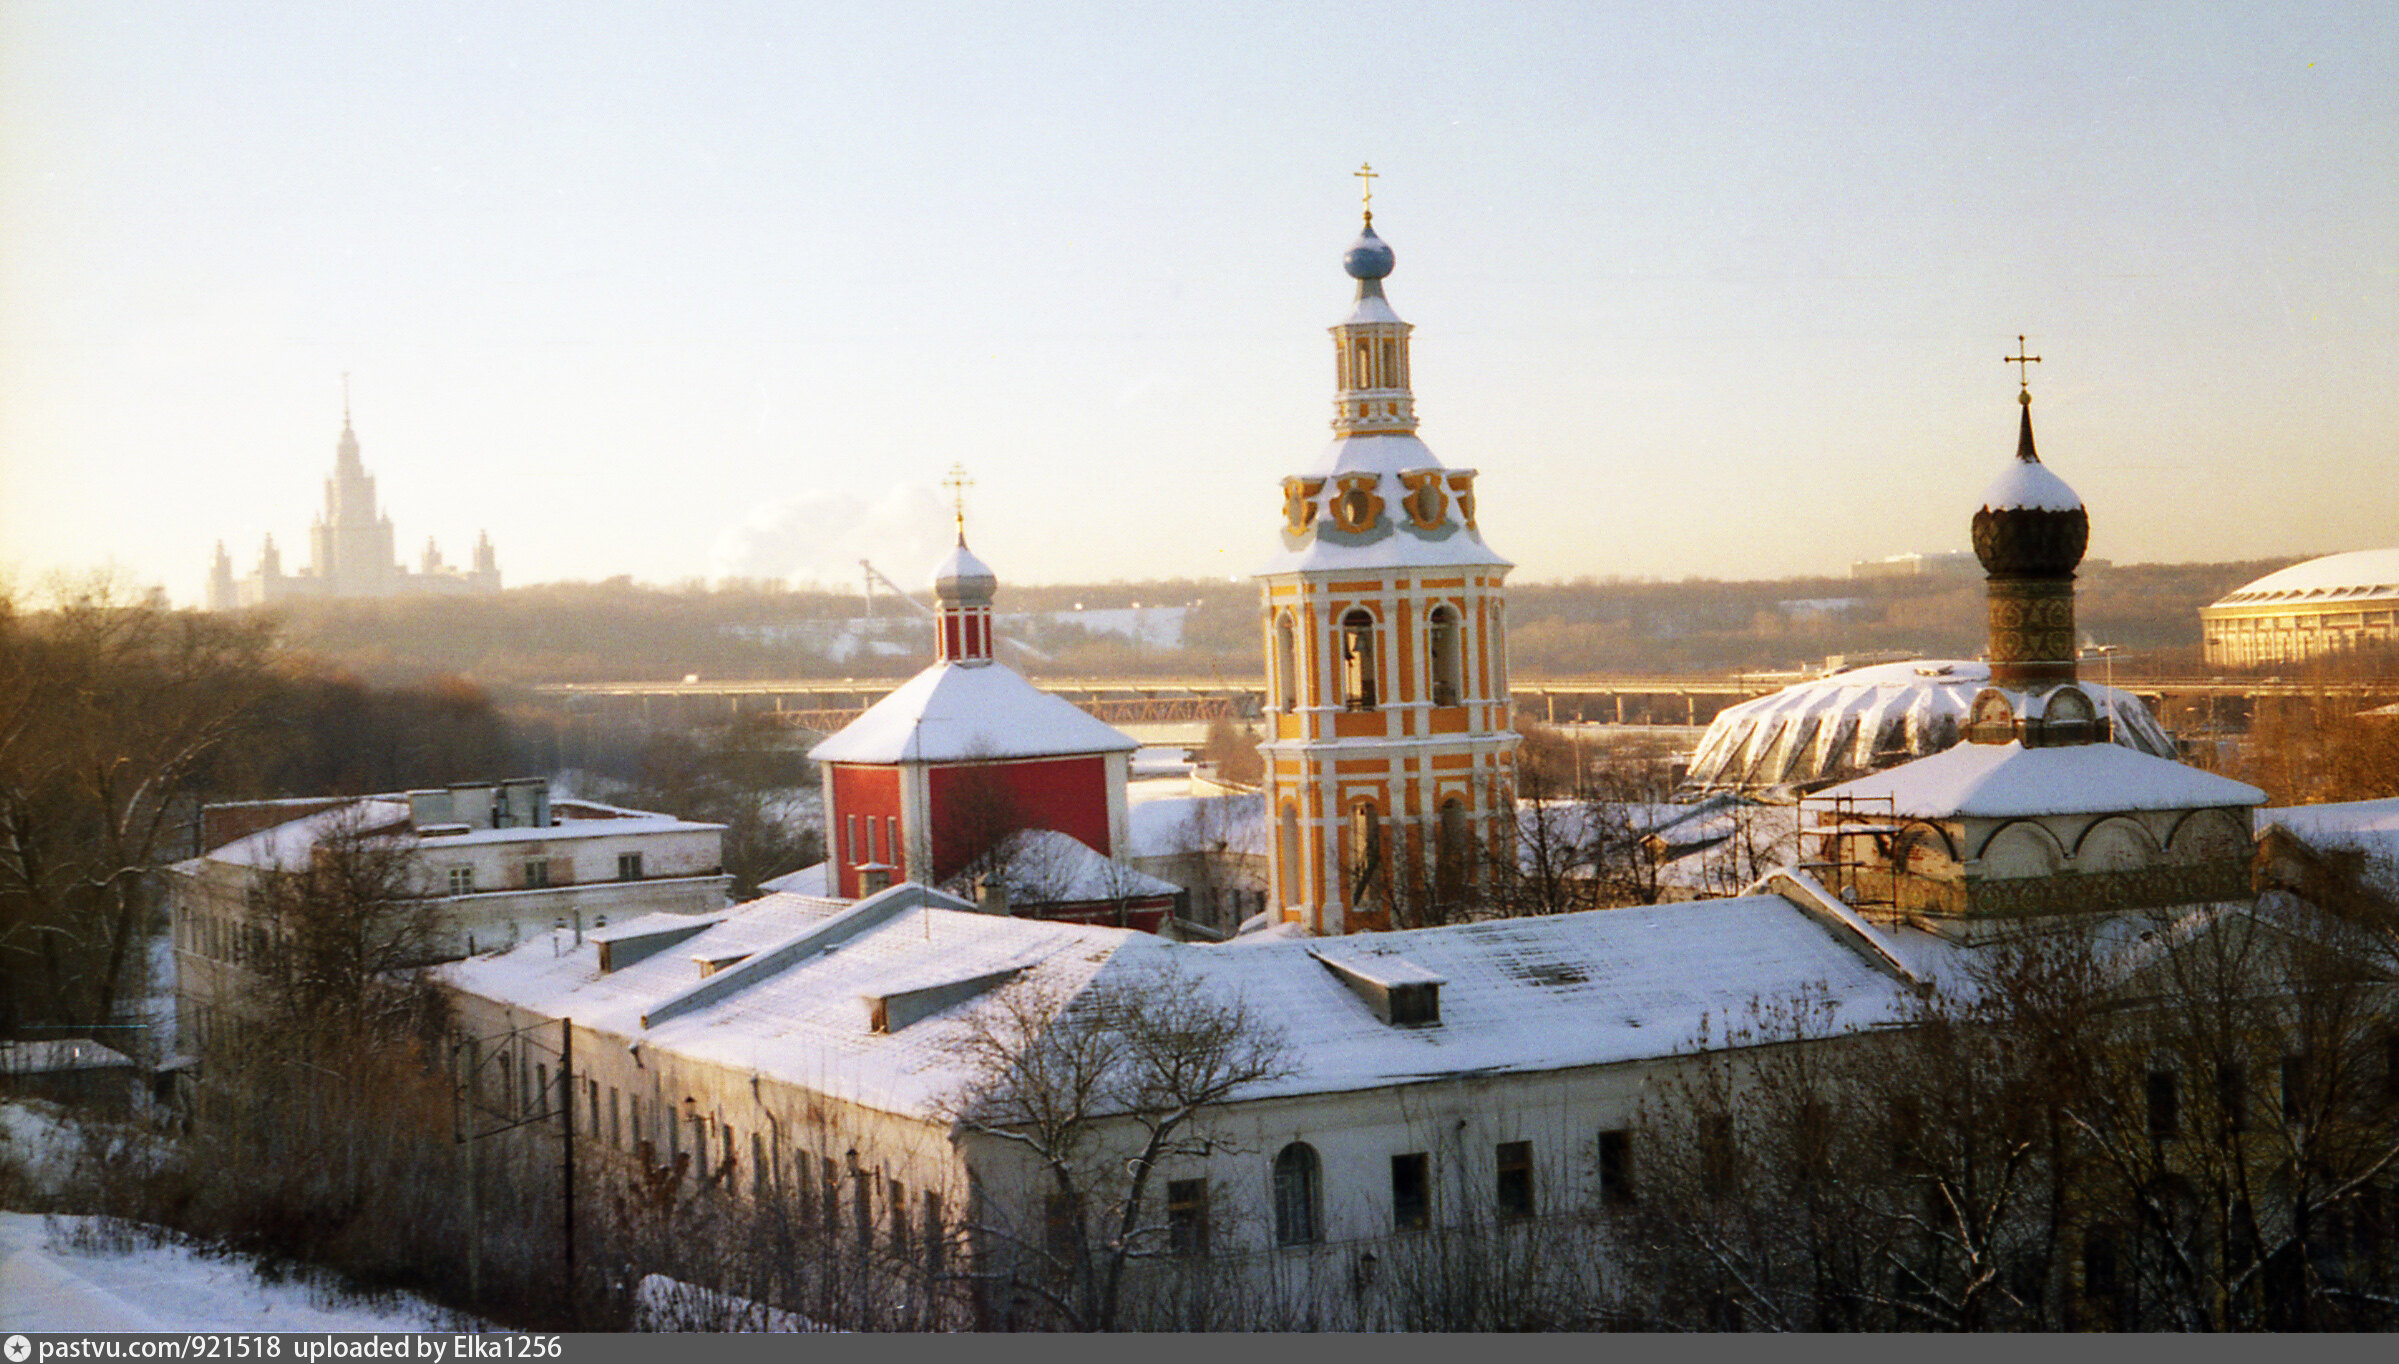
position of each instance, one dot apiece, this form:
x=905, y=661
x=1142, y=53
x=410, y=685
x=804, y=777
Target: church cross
x=1367, y=175
x=2020, y=360
x=957, y=482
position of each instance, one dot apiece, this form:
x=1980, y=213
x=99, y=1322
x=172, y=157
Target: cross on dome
x=957, y=482
x=1367, y=175
x=2023, y=375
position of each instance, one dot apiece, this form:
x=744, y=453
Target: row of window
x=1299, y=1187
x=1445, y=650
x=880, y=843
x=539, y=873
x=2162, y=1093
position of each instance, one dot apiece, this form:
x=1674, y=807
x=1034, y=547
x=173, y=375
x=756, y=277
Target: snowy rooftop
x=1046, y=866
x=2000, y=781
x=1518, y=995
x=956, y=713
x=2371, y=825
x=291, y=843
x=2335, y=577
x=1174, y=825
x=1856, y=720
x=2029, y=485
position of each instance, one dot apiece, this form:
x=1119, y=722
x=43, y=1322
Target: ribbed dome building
x=2308, y=610
x=1833, y=728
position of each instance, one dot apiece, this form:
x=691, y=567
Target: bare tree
x=111, y=710
x=341, y=932
x=1091, y=1092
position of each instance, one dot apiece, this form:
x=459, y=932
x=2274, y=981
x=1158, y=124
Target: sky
x=691, y=290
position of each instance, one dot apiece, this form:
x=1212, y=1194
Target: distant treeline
x=619, y=630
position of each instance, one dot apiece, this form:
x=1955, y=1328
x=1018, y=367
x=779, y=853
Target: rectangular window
x=933, y=1231
x=2294, y=1089
x=891, y=839
x=1411, y=1191
x=1718, y=1156
x=1058, y=1228
x=852, y=854
x=462, y=880
x=541, y=1090
x=616, y=1131
x=832, y=1190
x=537, y=873
x=1616, y=1167
x=2232, y=1097
x=1515, y=1187
x=628, y=866
x=2164, y=1094
x=899, y=1217
x=1187, y=1216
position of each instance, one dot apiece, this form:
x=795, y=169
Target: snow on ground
x=94, y=1274
x=664, y=1304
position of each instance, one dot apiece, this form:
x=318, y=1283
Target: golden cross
x=2020, y=360
x=957, y=482
x=1366, y=177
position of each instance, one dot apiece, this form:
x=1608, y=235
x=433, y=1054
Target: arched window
x=1365, y=852
x=1294, y=881
x=1286, y=663
x=1448, y=660
x=1363, y=375
x=1297, y=1196
x=1454, y=867
x=1357, y=660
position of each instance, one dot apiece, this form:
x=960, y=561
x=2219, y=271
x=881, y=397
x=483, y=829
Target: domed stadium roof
x=1834, y=727
x=2358, y=575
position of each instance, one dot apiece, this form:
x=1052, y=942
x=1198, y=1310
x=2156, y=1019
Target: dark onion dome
x=2031, y=524
x=1368, y=257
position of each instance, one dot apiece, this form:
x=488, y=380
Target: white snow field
x=80, y=1274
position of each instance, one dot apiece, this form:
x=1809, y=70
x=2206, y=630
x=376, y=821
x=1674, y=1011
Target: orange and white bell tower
x=1390, y=773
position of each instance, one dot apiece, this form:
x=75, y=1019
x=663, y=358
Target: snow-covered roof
x=1174, y=825
x=1518, y=995
x=290, y=844
x=2028, y=484
x=1049, y=867
x=1852, y=721
x=954, y=712
x=814, y=879
x=2001, y=781
x=2359, y=574
x=2369, y=825
x=53, y=1055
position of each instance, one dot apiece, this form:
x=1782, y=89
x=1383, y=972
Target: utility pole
x=566, y=1114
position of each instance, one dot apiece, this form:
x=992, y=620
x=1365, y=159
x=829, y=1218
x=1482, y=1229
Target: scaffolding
x=1840, y=821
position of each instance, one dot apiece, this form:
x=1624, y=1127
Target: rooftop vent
x=1399, y=991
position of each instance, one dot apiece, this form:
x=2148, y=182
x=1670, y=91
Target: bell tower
x=1390, y=770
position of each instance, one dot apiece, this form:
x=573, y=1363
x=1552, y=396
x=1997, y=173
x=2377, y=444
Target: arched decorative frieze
x=1924, y=848
x=2117, y=843
x=2208, y=836
x=2022, y=848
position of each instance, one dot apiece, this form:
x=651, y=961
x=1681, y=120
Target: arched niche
x=2117, y=843
x=2020, y=849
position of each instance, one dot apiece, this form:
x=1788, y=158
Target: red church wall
x=863, y=798
x=975, y=806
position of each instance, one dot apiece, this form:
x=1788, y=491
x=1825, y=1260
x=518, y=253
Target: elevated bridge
x=819, y=705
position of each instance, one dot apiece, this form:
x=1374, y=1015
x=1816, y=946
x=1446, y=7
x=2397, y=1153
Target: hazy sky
x=682, y=289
